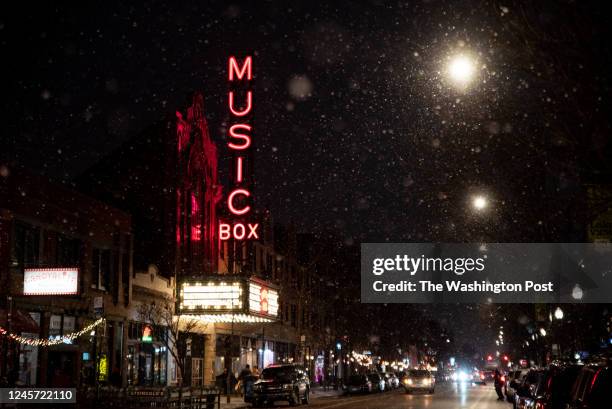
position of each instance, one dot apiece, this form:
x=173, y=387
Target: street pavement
x=447, y=396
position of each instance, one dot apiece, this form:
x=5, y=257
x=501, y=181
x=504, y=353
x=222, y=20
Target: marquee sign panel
x=222, y=299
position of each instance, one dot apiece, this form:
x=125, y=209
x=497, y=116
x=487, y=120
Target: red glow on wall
x=197, y=192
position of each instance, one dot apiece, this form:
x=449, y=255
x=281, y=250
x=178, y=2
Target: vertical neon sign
x=239, y=141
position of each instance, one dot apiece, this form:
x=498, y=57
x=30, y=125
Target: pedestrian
x=498, y=381
x=243, y=377
x=245, y=372
x=222, y=380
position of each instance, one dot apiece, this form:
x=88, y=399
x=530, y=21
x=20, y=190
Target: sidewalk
x=316, y=392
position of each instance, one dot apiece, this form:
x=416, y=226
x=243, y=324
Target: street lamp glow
x=559, y=313
x=479, y=203
x=461, y=69
x=543, y=332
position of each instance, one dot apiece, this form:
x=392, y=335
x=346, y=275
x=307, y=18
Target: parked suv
x=546, y=388
x=592, y=388
x=282, y=383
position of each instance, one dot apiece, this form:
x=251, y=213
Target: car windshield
x=418, y=373
x=278, y=373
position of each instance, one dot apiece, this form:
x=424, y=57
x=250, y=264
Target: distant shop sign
x=51, y=281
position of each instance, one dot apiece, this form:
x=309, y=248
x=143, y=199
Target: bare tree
x=160, y=313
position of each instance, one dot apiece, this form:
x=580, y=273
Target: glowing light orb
x=479, y=203
x=461, y=70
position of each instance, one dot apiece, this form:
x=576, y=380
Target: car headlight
x=409, y=381
x=426, y=381
x=287, y=386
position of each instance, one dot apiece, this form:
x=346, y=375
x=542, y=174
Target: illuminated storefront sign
x=240, y=140
x=51, y=281
x=225, y=300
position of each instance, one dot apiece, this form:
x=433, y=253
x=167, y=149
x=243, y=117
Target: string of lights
x=42, y=342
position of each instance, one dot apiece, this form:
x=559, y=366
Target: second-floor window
x=67, y=253
x=26, y=246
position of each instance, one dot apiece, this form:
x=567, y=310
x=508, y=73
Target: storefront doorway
x=61, y=369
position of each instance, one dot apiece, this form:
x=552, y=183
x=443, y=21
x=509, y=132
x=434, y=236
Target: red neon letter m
x=246, y=68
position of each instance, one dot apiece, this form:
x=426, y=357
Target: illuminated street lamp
x=479, y=203
x=542, y=332
x=559, y=313
x=461, y=70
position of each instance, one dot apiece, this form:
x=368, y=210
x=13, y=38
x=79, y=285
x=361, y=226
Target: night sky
x=357, y=127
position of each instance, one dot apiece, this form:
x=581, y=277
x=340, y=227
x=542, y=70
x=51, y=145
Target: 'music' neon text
x=239, y=140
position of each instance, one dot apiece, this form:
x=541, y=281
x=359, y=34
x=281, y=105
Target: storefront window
x=131, y=366
x=147, y=356
x=28, y=355
x=197, y=371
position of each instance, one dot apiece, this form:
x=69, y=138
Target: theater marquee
x=227, y=299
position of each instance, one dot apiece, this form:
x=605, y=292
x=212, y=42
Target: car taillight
x=503, y=379
x=481, y=376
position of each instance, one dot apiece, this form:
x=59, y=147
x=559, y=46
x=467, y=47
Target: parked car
x=357, y=384
x=592, y=388
x=393, y=381
x=419, y=379
x=378, y=383
x=282, y=383
x=509, y=386
x=526, y=388
x=549, y=388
